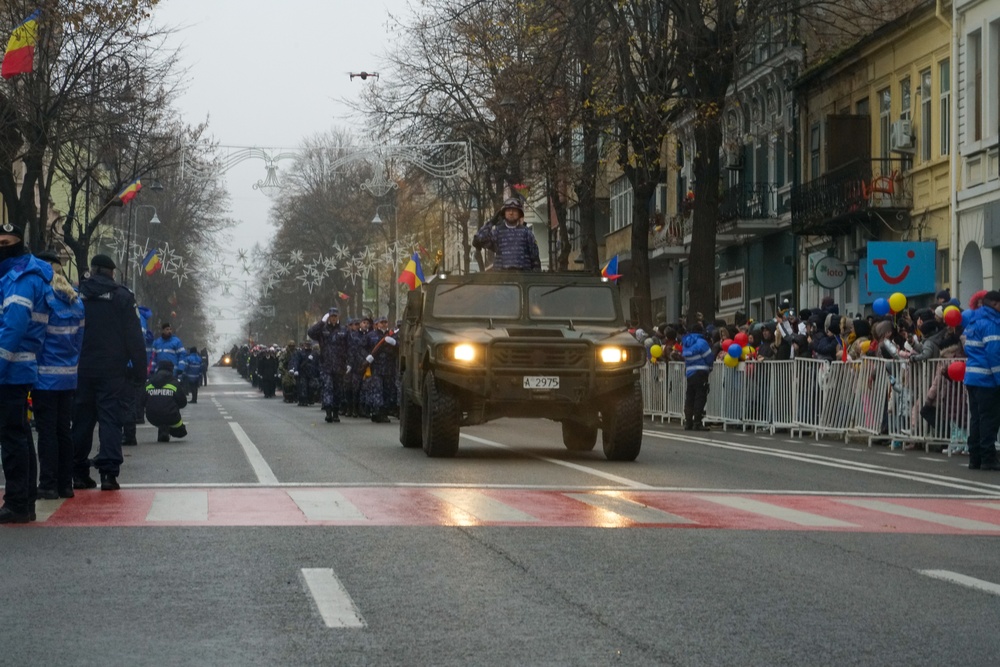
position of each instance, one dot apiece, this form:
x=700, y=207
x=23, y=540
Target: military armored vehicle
x=478, y=347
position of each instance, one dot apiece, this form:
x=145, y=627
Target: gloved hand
x=370, y=359
x=390, y=340
x=348, y=369
x=326, y=317
x=295, y=373
x=310, y=356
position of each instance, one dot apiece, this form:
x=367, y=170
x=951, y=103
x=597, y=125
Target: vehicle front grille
x=538, y=356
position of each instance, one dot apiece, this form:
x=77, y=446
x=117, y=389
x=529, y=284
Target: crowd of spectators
x=912, y=335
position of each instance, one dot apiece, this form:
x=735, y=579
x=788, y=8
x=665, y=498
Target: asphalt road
x=270, y=537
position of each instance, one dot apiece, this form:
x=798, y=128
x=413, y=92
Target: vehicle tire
x=439, y=421
x=409, y=419
x=578, y=437
x=621, y=426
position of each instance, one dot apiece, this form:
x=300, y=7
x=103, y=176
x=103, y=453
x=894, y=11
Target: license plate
x=541, y=382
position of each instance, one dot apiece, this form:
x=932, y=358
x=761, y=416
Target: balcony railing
x=749, y=201
x=835, y=201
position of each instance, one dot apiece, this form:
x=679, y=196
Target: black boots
x=163, y=434
x=84, y=482
x=109, y=482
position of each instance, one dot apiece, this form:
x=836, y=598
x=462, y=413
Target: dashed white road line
x=962, y=580
x=179, y=506
x=920, y=515
x=263, y=471
x=778, y=512
x=332, y=599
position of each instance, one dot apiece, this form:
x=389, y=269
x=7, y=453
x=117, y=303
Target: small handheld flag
x=342, y=296
x=19, y=57
x=130, y=191
x=413, y=274
x=610, y=270
x=152, y=263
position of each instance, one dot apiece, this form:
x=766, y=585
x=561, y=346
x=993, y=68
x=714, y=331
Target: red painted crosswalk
x=446, y=506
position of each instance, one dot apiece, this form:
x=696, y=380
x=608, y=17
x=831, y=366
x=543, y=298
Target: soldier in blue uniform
x=192, y=373
x=513, y=244
x=380, y=390
x=305, y=368
x=332, y=339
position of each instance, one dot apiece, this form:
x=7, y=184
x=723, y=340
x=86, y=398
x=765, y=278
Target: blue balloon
x=735, y=351
x=881, y=307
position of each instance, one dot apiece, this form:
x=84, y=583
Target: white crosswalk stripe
x=482, y=506
x=179, y=506
x=778, y=512
x=325, y=505
x=629, y=509
x=922, y=515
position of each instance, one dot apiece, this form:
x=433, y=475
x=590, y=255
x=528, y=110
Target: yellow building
x=874, y=151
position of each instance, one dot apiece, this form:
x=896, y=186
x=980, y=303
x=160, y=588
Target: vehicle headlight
x=464, y=352
x=614, y=355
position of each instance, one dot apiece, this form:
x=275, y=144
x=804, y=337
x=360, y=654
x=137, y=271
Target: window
x=863, y=108
x=884, y=120
x=993, y=72
x=943, y=276
x=621, y=204
x=944, y=76
x=974, y=86
x=814, y=151
x=925, y=115
x=905, y=113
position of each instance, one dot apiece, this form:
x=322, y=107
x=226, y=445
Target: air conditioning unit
x=901, y=137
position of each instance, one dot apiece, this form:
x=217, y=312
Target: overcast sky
x=268, y=74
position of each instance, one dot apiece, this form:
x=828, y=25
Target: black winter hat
x=165, y=365
x=50, y=256
x=103, y=262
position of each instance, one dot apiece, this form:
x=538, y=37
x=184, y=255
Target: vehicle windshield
x=571, y=302
x=477, y=301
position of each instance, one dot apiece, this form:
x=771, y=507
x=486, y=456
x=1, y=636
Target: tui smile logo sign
x=900, y=266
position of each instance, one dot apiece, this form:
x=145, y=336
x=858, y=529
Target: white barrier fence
x=870, y=398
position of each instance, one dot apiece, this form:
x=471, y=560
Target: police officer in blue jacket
x=513, y=244
x=113, y=356
x=698, y=362
x=192, y=373
x=982, y=380
x=52, y=396
x=168, y=347
x=24, y=281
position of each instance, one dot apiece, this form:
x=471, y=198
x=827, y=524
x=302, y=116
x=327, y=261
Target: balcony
x=752, y=208
x=855, y=194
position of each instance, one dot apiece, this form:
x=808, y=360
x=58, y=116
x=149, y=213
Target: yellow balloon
x=897, y=302
x=656, y=351
x=748, y=352
x=731, y=362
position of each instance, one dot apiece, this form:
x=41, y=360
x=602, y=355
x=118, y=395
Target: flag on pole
x=152, y=263
x=19, y=57
x=610, y=270
x=130, y=191
x=413, y=274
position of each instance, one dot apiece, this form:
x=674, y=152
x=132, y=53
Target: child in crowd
x=163, y=401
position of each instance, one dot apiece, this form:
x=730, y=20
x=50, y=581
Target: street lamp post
x=155, y=220
x=394, y=293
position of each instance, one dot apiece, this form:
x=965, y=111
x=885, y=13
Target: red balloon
x=726, y=343
x=741, y=339
x=953, y=317
x=956, y=371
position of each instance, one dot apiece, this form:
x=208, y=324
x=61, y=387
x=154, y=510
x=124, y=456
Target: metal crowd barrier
x=871, y=398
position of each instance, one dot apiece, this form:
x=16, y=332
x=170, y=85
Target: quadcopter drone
x=363, y=75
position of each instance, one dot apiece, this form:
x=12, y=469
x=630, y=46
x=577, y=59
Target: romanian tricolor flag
x=19, y=58
x=343, y=297
x=130, y=191
x=152, y=263
x=610, y=270
x=413, y=274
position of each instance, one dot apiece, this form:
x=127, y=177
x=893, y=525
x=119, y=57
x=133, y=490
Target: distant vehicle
x=546, y=345
x=363, y=75
x=225, y=361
